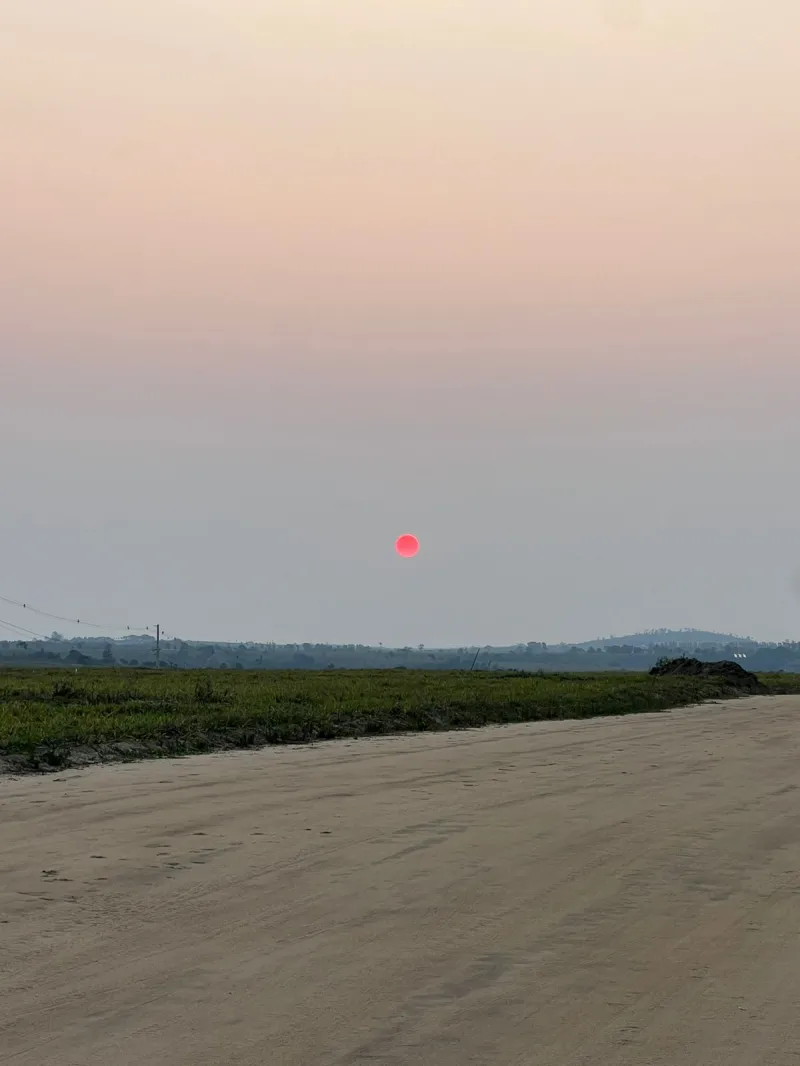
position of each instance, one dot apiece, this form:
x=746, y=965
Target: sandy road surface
x=621, y=891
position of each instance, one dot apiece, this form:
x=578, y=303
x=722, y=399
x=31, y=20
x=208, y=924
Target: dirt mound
x=732, y=673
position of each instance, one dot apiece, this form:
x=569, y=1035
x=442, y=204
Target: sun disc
x=407, y=545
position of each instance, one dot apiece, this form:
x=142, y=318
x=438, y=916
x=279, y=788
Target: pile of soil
x=732, y=673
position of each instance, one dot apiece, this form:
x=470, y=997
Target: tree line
x=529, y=656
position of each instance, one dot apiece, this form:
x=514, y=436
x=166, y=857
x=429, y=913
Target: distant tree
x=108, y=655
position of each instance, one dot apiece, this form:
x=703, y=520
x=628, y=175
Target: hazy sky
x=283, y=279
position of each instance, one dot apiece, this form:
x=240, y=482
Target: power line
x=63, y=618
x=21, y=630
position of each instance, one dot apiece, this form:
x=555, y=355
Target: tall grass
x=56, y=717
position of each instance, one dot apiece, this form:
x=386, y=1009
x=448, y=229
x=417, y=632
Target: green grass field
x=58, y=718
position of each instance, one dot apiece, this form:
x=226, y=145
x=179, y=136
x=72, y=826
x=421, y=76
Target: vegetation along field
x=57, y=718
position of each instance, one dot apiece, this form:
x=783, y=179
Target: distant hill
x=683, y=637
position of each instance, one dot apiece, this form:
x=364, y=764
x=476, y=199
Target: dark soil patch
x=731, y=672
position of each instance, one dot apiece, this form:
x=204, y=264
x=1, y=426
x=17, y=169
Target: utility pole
x=158, y=647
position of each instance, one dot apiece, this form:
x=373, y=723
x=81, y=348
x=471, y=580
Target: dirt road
x=611, y=892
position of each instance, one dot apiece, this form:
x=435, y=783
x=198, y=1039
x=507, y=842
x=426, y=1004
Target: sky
x=281, y=280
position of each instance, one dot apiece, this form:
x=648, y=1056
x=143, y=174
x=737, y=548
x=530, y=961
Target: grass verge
x=51, y=719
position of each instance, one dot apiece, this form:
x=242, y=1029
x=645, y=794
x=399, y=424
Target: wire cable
x=21, y=630
x=72, y=621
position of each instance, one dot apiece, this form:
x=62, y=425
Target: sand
x=620, y=891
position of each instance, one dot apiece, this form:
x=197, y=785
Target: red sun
x=407, y=545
